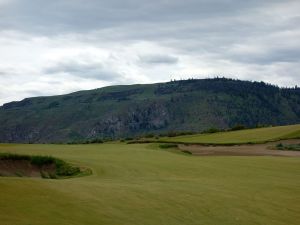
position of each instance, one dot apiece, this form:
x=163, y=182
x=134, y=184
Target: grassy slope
x=241, y=136
x=139, y=184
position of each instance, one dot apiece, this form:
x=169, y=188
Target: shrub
x=238, y=127
x=172, y=134
x=211, y=130
x=128, y=139
x=65, y=169
x=164, y=146
x=96, y=140
x=149, y=135
x=12, y=156
x=41, y=160
x=290, y=147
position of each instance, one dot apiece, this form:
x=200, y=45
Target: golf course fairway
x=140, y=184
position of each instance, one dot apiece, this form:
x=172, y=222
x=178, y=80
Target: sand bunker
x=38, y=166
x=241, y=150
x=23, y=168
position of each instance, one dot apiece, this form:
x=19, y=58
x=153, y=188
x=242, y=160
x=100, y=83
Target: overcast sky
x=59, y=46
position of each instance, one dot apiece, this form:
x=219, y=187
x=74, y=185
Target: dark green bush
x=290, y=147
x=279, y=146
x=12, y=156
x=164, y=146
x=238, y=127
x=211, y=130
x=128, y=139
x=65, y=169
x=149, y=135
x=87, y=141
x=41, y=160
x=96, y=140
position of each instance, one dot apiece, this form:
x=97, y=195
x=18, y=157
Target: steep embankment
x=122, y=111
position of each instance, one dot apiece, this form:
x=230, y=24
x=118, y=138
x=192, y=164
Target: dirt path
x=241, y=150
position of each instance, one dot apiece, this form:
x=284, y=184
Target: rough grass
x=167, y=145
x=288, y=147
x=259, y=135
x=143, y=184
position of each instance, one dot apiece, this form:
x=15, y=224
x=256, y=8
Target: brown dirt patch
x=241, y=150
x=23, y=168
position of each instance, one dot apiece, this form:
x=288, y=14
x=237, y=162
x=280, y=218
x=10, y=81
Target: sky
x=61, y=46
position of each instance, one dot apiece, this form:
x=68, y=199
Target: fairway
x=259, y=135
x=144, y=185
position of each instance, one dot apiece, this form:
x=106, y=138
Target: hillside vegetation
x=131, y=110
x=142, y=184
x=259, y=135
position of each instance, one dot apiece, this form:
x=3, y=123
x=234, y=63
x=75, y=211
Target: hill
x=129, y=110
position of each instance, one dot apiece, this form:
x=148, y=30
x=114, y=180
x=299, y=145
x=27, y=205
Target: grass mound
x=36, y=166
x=247, y=136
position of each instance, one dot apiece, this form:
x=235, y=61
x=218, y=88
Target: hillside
x=124, y=111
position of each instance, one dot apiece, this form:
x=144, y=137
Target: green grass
x=145, y=185
x=259, y=135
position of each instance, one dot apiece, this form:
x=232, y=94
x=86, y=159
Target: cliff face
x=124, y=111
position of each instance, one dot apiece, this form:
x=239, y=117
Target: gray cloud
x=6, y=71
x=158, y=59
x=80, y=15
x=130, y=40
x=269, y=57
x=85, y=70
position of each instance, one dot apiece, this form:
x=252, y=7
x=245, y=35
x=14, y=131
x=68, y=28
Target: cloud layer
x=59, y=46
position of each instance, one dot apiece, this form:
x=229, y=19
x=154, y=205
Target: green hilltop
x=131, y=110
